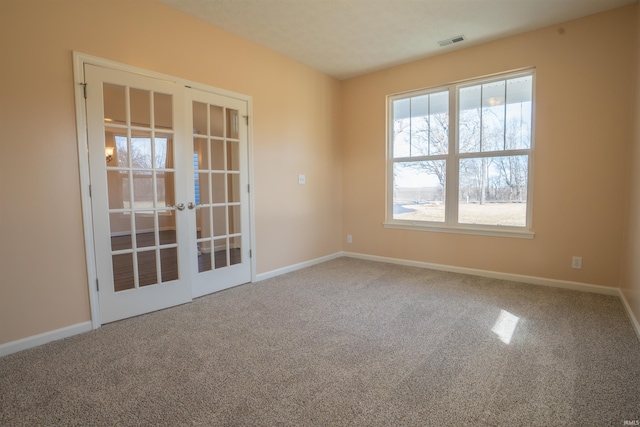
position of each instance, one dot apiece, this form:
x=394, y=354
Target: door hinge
x=248, y=188
x=89, y=190
x=247, y=119
x=97, y=285
x=250, y=254
x=84, y=88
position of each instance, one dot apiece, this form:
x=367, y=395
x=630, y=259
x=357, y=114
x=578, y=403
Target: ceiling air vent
x=452, y=40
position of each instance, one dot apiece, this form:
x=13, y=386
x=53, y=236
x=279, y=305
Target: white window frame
x=451, y=224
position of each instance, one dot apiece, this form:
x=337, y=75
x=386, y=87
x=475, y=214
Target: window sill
x=513, y=232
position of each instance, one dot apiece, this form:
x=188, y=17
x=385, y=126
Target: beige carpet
x=347, y=342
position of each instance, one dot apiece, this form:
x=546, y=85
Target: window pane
x=421, y=125
x=494, y=120
x=401, y=128
x=493, y=111
x=469, y=120
x=418, y=190
x=493, y=191
x=519, y=103
x=439, y=123
x=419, y=128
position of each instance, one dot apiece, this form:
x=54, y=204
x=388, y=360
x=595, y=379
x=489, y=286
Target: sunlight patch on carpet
x=505, y=326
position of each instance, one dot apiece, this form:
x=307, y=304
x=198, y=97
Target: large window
x=460, y=157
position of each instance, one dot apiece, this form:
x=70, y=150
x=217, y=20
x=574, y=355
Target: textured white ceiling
x=346, y=38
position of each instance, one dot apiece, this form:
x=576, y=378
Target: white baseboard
x=565, y=284
x=36, y=340
x=632, y=316
x=289, y=269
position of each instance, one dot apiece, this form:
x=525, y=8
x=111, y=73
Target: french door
x=220, y=187
x=166, y=165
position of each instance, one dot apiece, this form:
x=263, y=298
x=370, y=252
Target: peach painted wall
x=582, y=132
x=43, y=278
x=630, y=282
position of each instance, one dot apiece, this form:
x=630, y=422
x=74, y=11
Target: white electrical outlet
x=349, y=238
x=302, y=179
x=576, y=262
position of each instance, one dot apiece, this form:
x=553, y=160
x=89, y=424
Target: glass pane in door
x=204, y=256
x=217, y=155
x=233, y=191
x=120, y=227
x=233, y=155
x=235, y=250
x=115, y=106
x=140, y=153
x=216, y=115
x=147, y=271
x=140, y=107
x=169, y=264
x=217, y=179
x=200, y=157
x=219, y=221
x=167, y=226
x=232, y=123
x=162, y=110
x=200, y=122
x=145, y=229
x=221, y=253
x=123, y=277
x=217, y=188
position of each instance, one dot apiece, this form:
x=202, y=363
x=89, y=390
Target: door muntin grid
x=217, y=181
x=141, y=182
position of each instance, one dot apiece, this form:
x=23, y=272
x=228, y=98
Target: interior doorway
x=169, y=207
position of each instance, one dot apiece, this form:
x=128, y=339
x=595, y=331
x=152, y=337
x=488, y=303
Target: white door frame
x=79, y=60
